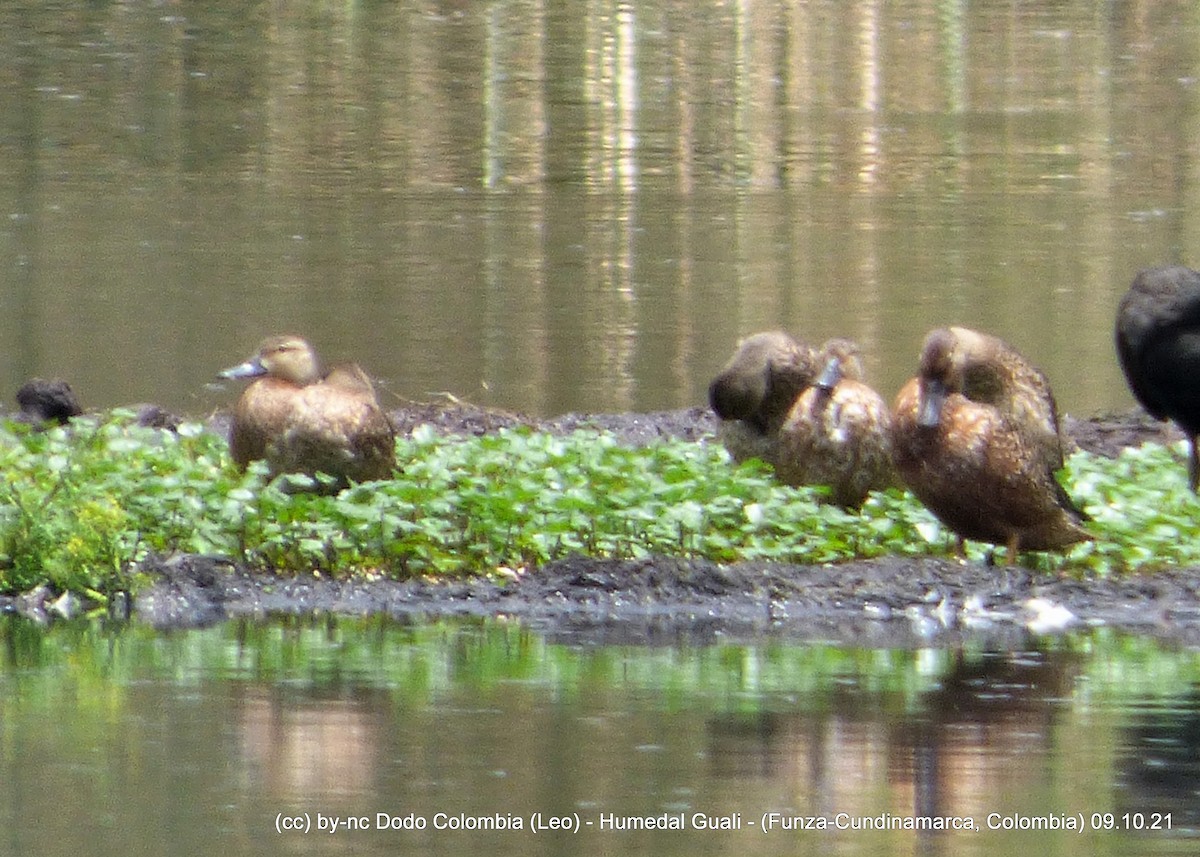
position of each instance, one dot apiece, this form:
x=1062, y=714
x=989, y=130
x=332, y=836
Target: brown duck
x=975, y=437
x=838, y=432
x=755, y=391
x=806, y=413
x=302, y=421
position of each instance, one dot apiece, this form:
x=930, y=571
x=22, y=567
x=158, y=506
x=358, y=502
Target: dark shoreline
x=879, y=603
x=884, y=602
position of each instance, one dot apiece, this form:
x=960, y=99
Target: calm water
x=580, y=206
x=113, y=743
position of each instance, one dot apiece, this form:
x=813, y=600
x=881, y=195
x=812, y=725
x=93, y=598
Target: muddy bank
x=891, y=602
x=886, y=602
x=1106, y=434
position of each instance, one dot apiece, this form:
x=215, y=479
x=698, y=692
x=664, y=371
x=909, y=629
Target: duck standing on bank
x=1158, y=345
x=302, y=421
x=976, y=438
x=838, y=432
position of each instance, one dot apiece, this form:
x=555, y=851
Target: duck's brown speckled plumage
x=838, y=432
x=1158, y=345
x=806, y=413
x=755, y=391
x=300, y=421
x=988, y=370
x=986, y=467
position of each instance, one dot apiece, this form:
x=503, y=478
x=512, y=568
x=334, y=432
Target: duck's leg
x=1193, y=463
x=1010, y=556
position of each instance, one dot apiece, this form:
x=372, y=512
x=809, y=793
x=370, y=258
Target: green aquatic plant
x=82, y=506
x=1143, y=514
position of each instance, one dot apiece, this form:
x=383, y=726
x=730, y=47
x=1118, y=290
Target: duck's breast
x=978, y=473
x=744, y=440
x=840, y=438
x=260, y=419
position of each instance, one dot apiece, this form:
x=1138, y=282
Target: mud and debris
x=878, y=603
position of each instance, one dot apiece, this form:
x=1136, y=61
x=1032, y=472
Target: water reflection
x=553, y=208
x=299, y=747
x=1158, y=767
x=115, y=739
x=985, y=728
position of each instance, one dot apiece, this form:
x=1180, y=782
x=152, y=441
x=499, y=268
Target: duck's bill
x=830, y=374
x=933, y=397
x=249, y=369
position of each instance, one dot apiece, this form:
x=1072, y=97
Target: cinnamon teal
x=838, y=432
x=756, y=389
x=975, y=437
x=303, y=421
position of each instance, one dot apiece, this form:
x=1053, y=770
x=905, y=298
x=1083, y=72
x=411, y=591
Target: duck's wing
x=375, y=446
x=337, y=427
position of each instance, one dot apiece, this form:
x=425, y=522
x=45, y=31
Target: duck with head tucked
x=303, y=421
x=807, y=413
x=1158, y=345
x=975, y=437
x=755, y=391
x=988, y=370
x=838, y=432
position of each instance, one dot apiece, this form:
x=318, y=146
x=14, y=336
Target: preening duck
x=975, y=437
x=807, y=413
x=838, y=432
x=756, y=389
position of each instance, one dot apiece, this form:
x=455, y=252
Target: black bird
x=43, y=402
x=1158, y=344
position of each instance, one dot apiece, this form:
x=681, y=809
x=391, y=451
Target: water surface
x=552, y=207
x=121, y=740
